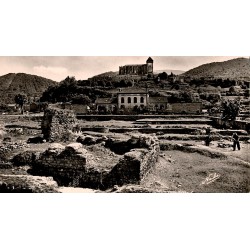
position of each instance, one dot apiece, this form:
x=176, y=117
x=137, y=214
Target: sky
x=58, y=68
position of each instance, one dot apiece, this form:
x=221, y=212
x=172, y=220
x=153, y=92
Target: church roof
x=150, y=60
x=134, y=65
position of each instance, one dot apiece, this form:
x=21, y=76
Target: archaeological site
x=138, y=129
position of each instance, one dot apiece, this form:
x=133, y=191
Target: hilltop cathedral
x=137, y=69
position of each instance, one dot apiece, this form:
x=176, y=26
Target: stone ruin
x=21, y=183
x=92, y=161
x=57, y=124
x=76, y=165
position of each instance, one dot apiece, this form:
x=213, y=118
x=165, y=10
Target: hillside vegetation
x=31, y=85
x=236, y=69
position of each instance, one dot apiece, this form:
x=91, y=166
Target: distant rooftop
x=132, y=91
x=158, y=99
x=104, y=101
x=150, y=60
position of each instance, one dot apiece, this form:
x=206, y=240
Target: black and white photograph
x=125, y=124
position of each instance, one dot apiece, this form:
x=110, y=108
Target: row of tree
x=81, y=92
x=70, y=91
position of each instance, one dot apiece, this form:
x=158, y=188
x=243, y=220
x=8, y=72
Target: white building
x=129, y=98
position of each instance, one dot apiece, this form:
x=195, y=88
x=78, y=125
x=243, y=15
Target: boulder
x=74, y=146
x=56, y=146
x=7, y=139
x=36, y=140
x=24, y=158
x=86, y=140
x=2, y=134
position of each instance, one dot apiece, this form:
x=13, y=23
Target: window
x=122, y=100
x=129, y=99
x=135, y=99
x=142, y=99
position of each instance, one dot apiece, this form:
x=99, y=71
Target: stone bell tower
x=150, y=66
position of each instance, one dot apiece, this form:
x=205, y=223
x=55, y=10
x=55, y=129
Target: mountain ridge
x=235, y=69
x=22, y=83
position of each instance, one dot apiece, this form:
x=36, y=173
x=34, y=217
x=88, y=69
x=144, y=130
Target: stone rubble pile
x=6, y=148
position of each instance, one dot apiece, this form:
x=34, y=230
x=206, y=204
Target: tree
x=69, y=80
x=81, y=99
x=20, y=99
x=163, y=76
x=230, y=110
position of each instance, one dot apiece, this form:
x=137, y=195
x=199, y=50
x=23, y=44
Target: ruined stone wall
x=75, y=166
x=57, y=123
x=135, y=165
x=12, y=183
x=69, y=166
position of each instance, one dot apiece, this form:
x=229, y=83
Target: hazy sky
x=59, y=67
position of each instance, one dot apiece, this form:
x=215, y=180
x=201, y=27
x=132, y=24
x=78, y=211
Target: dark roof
x=103, y=101
x=132, y=91
x=133, y=65
x=157, y=99
x=150, y=60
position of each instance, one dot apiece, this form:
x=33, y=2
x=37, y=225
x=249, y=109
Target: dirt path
x=192, y=172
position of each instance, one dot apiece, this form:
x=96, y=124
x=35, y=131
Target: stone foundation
x=76, y=166
x=27, y=184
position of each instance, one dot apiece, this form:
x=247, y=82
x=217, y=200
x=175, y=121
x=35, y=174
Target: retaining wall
x=231, y=124
x=132, y=117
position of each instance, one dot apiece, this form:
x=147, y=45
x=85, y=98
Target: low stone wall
x=132, y=117
x=203, y=150
x=134, y=166
x=57, y=124
x=229, y=124
x=148, y=130
x=75, y=166
x=27, y=184
x=69, y=166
